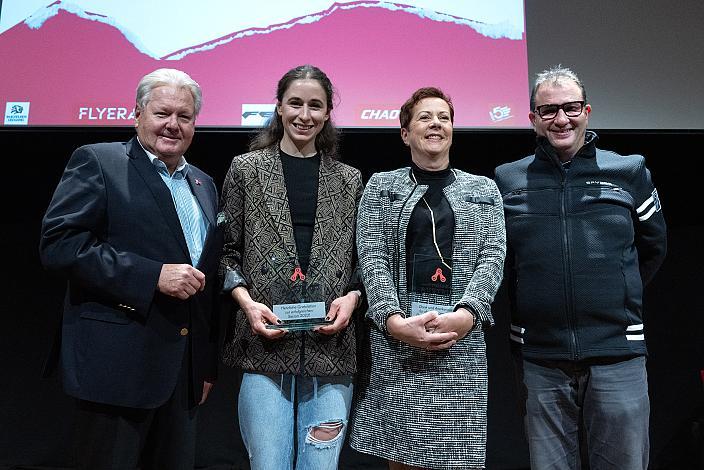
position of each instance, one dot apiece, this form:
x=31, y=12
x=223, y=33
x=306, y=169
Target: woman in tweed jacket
x=290, y=213
x=430, y=239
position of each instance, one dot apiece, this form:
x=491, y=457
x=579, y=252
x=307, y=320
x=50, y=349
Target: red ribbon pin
x=298, y=274
x=438, y=275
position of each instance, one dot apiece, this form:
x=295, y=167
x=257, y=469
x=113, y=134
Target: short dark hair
x=555, y=75
x=420, y=94
x=327, y=139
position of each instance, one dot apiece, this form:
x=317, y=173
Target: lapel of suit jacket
x=161, y=193
x=203, y=196
x=273, y=187
x=208, y=203
x=327, y=224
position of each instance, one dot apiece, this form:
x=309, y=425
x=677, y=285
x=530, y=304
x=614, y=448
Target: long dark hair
x=327, y=139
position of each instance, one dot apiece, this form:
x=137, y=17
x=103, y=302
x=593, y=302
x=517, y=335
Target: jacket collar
x=545, y=151
x=156, y=185
x=271, y=179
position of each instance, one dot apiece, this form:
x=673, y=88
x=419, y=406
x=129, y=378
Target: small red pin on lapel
x=297, y=273
x=197, y=182
x=438, y=275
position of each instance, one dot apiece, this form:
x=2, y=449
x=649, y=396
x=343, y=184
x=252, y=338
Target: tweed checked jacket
x=434, y=402
x=479, y=247
x=260, y=253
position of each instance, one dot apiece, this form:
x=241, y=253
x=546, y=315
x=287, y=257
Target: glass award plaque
x=297, y=302
x=431, y=285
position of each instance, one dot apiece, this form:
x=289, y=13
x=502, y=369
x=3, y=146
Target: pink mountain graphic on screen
x=82, y=72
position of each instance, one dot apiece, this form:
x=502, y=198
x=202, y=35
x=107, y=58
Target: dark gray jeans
x=604, y=408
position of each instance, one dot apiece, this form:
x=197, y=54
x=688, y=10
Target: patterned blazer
x=260, y=253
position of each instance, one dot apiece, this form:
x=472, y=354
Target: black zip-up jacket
x=582, y=243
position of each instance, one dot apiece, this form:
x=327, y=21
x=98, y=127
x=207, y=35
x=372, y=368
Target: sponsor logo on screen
x=500, y=113
x=105, y=113
x=379, y=114
x=16, y=113
x=257, y=114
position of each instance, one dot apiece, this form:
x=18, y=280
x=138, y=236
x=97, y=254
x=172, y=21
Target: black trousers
x=114, y=437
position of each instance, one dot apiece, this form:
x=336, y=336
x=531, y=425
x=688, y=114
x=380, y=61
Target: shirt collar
x=182, y=165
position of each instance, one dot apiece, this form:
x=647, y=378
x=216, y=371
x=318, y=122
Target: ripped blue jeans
x=283, y=417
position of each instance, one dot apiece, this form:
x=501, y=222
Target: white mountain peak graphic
x=187, y=26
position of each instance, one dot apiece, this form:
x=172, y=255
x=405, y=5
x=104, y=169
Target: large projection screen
x=77, y=62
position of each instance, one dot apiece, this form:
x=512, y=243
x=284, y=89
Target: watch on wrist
x=474, y=321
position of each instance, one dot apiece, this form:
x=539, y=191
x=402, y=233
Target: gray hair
x=555, y=74
x=161, y=77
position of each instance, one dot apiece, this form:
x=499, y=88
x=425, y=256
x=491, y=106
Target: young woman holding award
x=289, y=209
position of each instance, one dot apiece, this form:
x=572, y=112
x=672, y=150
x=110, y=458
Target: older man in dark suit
x=133, y=228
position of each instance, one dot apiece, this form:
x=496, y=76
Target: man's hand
x=206, y=391
x=258, y=314
x=414, y=331
x=180, y=280
x=341, y=310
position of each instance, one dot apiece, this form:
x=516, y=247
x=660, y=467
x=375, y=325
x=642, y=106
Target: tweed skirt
x=421, y=408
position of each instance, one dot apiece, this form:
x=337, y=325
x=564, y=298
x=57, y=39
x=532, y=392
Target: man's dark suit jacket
x=110, y=226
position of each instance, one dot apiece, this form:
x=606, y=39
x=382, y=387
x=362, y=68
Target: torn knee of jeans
x=325, y=434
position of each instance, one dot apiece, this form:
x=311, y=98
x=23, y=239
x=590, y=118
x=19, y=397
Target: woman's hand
x=415, y=331
x=341, y=310
x=460, y=322
x=258, y=314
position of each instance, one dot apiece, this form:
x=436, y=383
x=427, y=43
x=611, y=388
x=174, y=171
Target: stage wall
x=35, y=416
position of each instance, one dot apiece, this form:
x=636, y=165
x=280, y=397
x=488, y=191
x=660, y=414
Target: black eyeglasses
x=549, y=111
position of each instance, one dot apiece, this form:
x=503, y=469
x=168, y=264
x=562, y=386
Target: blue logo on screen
x=264, y=114
x=500, y=113
x=16, y=109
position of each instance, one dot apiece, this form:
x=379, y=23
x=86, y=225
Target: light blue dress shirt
x=190, y=214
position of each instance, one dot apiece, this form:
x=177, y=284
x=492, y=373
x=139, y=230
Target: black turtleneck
x=301, y=177
x=419, y=236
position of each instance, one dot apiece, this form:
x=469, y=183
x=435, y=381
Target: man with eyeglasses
x=585, y=233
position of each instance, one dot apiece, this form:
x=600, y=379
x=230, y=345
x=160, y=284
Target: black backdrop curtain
x=36, y=418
